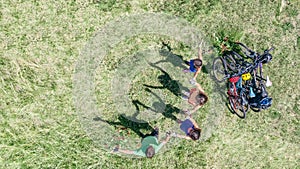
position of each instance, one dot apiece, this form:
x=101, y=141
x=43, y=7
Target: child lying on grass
x=190, y=128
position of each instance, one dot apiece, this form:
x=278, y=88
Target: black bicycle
x=230, y=62
x=257, y=93
x=232, y=66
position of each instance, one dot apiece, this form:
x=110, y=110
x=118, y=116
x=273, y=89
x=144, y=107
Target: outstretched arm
x=183, y=136
x=126, y=151
x=197, y=72
x=117, y=149
x=189, y=112
x=194, y=122
x=201, y=58
x=199, y=87
x=200, y=51
x=166, y=140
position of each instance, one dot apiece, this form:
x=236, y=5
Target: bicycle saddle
x=234, y=79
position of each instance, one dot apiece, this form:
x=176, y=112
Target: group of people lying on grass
x=196, y=97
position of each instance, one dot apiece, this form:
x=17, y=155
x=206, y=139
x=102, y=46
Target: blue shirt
x=185, y=125
x=192, y=67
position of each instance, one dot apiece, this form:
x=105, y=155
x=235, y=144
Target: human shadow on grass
x=170, y=57
x=166, y=110
x=124, y=123
x=167, y=82
x=176, y=60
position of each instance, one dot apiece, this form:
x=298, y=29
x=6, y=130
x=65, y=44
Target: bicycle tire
x=242, y=108
x=231, y=63
x=244, y=105
x=234, y=62
x=232, y=104
x=219, y=69
x=235, y=110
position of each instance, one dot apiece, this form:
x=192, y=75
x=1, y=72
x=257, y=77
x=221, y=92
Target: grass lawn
x=43, y=42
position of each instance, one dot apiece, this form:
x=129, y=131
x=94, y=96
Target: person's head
x=195, y=134
x=197, y=63
x=150, y=152
x=201, y=99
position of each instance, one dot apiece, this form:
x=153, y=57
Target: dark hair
x=195, y=134
x=150, y=152
x=197, y=63
x=201, y=99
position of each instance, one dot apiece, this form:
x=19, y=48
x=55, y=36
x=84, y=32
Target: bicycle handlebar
x=251, y=51
x=256, y=61
x=269, y=50
x=252, y=55
x=244, y=46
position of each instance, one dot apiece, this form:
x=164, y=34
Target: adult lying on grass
x=149, y=147
x=190, y=128
x=196, y=97
x=195, y=65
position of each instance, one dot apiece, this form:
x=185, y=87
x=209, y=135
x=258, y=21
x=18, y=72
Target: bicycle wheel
x=244, y=104
x=232, y=102
x=219, y=69
x=235, y=107
x=239, y=105
x=233, y=61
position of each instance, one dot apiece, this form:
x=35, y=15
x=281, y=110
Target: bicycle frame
x=234, y=65
x=236, y=97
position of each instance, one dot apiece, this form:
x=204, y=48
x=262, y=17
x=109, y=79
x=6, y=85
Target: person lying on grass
x=190, y=128
x=195, y=65
x=149, y=147
x=195, y=97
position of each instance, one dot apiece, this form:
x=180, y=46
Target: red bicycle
x=237, y=97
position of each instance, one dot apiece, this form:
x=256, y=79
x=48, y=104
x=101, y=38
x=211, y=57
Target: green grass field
x=42, y=41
